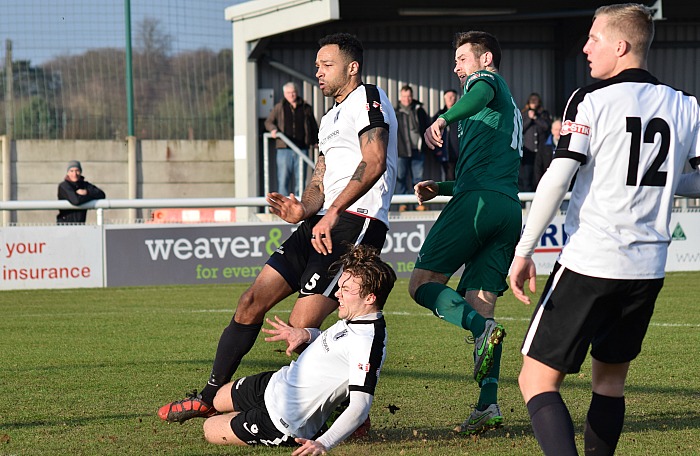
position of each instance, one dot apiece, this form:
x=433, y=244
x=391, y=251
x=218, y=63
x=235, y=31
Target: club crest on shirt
x=375, y=105
x=572, y=127
x=363, y=367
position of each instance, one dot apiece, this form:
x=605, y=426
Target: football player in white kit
x=289, y=407
x=346, y=202
x=630, y=137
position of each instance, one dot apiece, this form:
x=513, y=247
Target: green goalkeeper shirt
x=490, y=131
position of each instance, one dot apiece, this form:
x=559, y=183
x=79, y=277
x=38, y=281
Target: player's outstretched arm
x=309, y=447
x=281, y=331
x=425, y=191
x=523, y=269
x=313, y=196
x=348, y=421
x=548, y=198
x=433, y=134
x=288, y=208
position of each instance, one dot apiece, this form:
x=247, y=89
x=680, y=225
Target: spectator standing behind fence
x=77, y=190
x=544, y=156
x=413, y=120
x=295, y=118
x=440, y=163
x=536, y=124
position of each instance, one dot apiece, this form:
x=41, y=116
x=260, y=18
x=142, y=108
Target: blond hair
x=633, y=22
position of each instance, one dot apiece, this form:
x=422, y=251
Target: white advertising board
x=683, y=253
x=51, y=257
x=135, y=255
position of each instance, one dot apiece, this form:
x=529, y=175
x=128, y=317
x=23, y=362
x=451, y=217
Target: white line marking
x=428, y=314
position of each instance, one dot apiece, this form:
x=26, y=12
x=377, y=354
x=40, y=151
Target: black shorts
x=306, y=270
x=577, y=311
x=253, y=424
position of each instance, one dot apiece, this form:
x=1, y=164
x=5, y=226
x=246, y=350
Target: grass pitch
x=84, y=371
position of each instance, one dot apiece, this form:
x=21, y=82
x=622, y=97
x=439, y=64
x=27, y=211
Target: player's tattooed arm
x=313, y=196
x=360, y=172
x=374, y=136
x=373, y=144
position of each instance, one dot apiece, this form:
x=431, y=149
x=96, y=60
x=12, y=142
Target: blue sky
x=43, y=29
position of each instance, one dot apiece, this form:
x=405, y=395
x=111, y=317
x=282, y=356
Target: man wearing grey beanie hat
x=74, y=164
x=77, y=190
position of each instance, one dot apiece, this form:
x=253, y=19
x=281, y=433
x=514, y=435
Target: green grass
x=84, y=372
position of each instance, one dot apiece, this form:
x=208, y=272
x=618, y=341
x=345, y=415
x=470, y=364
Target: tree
x=36, y=119
x=151, y=41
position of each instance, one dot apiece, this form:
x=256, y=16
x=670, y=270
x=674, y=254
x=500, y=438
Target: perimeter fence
x=64, y=66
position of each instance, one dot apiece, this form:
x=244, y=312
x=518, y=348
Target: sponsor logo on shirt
x=283, y=423
x=324, y=342
x=342, y=333
x=330, y=136
x=572, y=127
x=477, y=75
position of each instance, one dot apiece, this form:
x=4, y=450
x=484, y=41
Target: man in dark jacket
x=78, y=191
x=536, y=125
x=295, y=118
x=413, y=120
x=544, y=156
x=440, y=163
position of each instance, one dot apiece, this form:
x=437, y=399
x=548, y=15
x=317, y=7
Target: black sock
x=235, y=342
x=552, y=424
x=603, y=424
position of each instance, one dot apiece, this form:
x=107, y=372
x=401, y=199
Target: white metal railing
x=305, y=161
x=163, y=203
x=257, y=201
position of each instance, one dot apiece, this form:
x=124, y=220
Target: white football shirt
x=364, y=108
x=633, y=136
x=346, y=357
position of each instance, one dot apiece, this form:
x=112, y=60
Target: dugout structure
x=409, y=42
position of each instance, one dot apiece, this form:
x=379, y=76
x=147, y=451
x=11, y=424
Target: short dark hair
x=449, y=91
x=348, y=44
x=482, y=42
x=363, y=261
x=406, y=88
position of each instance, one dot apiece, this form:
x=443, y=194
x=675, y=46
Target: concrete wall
x=166, y=169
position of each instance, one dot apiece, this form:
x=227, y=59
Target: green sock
x=489, y=386
x=447, y=304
